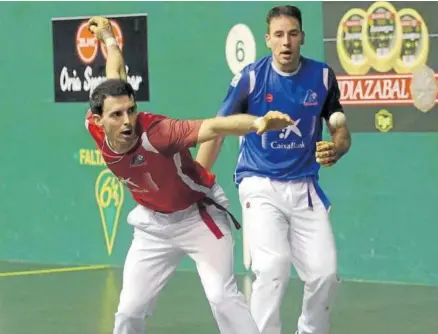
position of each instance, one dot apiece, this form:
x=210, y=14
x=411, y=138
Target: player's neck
x=120, y=148
x=287, y=69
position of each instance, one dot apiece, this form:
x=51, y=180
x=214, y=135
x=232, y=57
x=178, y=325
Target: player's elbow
x=210, y=130
x=209, y=151
x=212, y=146
x=218, y=141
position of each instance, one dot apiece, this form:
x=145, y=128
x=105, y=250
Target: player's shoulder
x=260, y=65
x=149, y=116
x=256, y=65
x=314, y=64
x=251, y=69
x=145, y=120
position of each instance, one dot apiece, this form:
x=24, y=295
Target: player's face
x=285, y=39
x=119, y=118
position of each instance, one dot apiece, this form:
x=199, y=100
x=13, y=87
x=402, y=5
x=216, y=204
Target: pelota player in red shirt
x=181, y=210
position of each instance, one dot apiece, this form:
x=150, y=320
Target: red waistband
x=208, y=220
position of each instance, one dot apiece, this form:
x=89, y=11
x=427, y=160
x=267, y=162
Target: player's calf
x=318, y=299
x=272, y=273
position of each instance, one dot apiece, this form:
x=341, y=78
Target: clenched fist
x=326, y=154
x=101, y=27
x=273, y=120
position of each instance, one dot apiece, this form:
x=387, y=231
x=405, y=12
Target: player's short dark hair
x=110, y=87
x=290, y=11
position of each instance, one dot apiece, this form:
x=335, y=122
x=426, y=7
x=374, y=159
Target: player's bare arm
x=212, y=132
x=209, y=151
x=341, y=139
x=115, y=65
x=328, y=153
x=241, y=124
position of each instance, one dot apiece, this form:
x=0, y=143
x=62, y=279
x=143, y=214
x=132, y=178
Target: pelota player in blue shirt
x=285, y=212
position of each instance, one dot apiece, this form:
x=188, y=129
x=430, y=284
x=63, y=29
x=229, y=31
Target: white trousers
x=281, y=230
x=160, y=242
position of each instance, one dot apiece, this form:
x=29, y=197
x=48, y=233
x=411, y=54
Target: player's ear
x=97, y=119
x=268, y=40
x=303, y=37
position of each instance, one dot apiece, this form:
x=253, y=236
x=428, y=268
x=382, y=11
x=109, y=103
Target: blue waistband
x=322, y=196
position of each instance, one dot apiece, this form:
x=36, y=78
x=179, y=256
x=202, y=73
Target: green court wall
x=383, y=192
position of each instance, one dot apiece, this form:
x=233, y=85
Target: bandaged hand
x=326, y=154
x=101, y=27
x=273, y=120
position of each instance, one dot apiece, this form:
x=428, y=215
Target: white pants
x=282, y=229
x=160, y=242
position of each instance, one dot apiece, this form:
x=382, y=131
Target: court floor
x=83, y=302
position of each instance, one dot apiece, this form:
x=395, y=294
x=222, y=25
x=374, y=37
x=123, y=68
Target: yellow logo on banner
x=383, y=120
x=109, y=197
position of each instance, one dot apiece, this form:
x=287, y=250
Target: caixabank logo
x=79, y=58
x=374, y=48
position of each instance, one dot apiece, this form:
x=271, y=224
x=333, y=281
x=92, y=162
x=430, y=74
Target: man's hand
x=101, y=27
x=115, y=65
x=326, y=153
x=273, y=120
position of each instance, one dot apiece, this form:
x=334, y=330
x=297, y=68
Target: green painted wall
x=49, y=212
x=383, y=210
x=385, y=191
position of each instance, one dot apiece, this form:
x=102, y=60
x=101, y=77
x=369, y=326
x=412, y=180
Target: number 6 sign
x=240, y=48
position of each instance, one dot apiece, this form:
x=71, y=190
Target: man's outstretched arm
x=169, y=136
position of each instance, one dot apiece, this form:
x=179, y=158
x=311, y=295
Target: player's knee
x=221, y=294
x=323, y=285
x=273, y=269
x=330, y=278
x=134, y=308
x=222, y=291
x=325, y=272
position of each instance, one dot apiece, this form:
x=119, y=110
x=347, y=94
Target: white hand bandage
x=110, y=41
x=257, y=122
